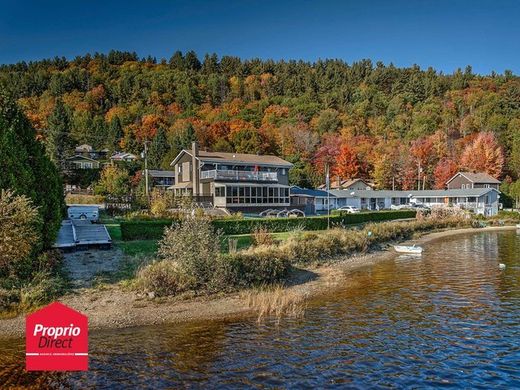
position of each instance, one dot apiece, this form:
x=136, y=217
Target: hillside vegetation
x=371, y=120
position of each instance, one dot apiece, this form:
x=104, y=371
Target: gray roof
x=237, y=158
x=452, y=193
x=477, y=177
x=160, y=173
x=295, y=190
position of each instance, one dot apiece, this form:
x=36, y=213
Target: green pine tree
x=58, y=141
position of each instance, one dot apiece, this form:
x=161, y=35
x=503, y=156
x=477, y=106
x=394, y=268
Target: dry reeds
x=275, y=301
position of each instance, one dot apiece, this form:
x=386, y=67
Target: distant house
x=464, y=180
x=88, y=151
x=161, y=179
x=350, y=184
x=81, y=162
x=123, y=156
x=236, y=181
x=311, y=201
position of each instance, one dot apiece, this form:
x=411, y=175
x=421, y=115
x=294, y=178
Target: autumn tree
x=114, y=181
x=347, y=164
x=444, y=170
x=483, y=155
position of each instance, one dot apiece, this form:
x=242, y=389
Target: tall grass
x=275, y=301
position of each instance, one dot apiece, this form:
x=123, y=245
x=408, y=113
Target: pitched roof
x=84, y=148
x=79, y=156
x=238, y=158
x=160, y=173
x=452, y=193
x=123, y=156
x=344, y=183
x=295, y=190
x=477, y=177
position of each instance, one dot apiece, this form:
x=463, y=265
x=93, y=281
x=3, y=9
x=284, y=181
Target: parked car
x=349, y=209
x=87, y=213
x=400, y=206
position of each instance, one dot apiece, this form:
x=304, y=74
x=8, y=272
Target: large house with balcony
x=235, y=181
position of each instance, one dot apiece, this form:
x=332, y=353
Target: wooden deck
x=78, y=233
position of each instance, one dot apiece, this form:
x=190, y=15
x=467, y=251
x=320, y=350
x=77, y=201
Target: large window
x=253, y=194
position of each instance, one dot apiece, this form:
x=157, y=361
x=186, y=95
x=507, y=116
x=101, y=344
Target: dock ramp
x=80, y=233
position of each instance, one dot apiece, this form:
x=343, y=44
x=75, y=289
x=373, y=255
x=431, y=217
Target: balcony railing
x=218, y=174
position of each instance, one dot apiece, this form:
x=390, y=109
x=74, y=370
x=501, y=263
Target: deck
x=78, y=233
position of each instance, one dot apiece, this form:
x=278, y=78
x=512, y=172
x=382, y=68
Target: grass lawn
x=149, y=247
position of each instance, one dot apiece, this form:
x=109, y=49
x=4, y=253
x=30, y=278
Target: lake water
x=447, y=319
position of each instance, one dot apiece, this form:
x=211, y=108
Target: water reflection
x=447, y=318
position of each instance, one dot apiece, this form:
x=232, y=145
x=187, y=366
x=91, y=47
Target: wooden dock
x=83, y=234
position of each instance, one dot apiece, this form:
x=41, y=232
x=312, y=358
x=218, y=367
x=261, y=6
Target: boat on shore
x=416, y=250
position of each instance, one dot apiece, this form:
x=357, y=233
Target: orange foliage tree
x=484, y=154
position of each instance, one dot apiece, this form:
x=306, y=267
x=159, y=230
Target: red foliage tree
x=444, y=170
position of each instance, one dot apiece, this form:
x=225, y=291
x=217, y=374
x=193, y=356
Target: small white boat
x=502, y=266
x=518, y=225
x=416, y=250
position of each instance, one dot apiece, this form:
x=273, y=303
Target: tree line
x=399, y=127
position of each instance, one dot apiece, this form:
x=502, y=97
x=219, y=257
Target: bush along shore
x=189, y=258
x=153, y=229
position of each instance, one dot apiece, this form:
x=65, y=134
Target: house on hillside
x=123, y=156
x=463, y=180
x=484, y=201
x=236, y=181
x=311, y=201
x=81, y=162
x=351, y=184
x=88, y=151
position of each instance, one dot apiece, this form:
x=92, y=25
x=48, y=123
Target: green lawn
x=149, y=247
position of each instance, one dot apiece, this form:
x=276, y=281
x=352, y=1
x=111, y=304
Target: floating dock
x=82, y=234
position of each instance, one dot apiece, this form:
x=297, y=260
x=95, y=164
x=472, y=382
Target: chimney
x=195, y=168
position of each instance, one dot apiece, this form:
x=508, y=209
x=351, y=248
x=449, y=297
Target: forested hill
x=365, y=119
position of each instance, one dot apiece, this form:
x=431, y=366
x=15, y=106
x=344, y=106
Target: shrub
x=42, y=289
x=262, y=236
x=18, y=229
x=145, y=229
x=84, y=199
x=252, y=267
x=153, y=229
x=193, y=245
x=161, y=277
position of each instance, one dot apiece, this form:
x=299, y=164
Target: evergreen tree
x=58, y=141
x=115, y=133
x=159, y=148
x=28, y=171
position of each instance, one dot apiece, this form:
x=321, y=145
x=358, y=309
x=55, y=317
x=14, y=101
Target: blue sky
x=442, y=34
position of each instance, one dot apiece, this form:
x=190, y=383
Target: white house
x=483, y=201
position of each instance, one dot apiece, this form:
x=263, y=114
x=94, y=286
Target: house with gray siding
x=464, y=180
x=235, y=181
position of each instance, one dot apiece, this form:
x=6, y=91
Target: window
x=283, y=171
x=220, y=192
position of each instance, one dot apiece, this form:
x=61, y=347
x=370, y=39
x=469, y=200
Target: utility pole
x=327, y=185
x=146, y=171
x=419, y=176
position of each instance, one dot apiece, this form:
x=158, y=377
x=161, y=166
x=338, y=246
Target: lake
x=450, y=318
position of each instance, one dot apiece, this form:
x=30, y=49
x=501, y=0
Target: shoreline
x=115, y=308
